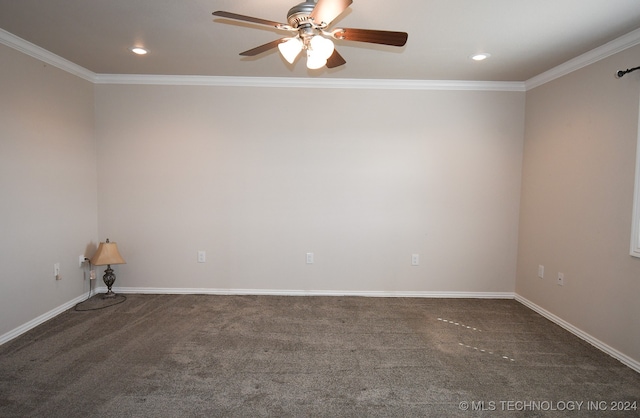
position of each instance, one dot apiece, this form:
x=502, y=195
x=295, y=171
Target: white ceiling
x=524, y=38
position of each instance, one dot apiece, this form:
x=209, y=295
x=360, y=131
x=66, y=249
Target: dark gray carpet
x=252, y=356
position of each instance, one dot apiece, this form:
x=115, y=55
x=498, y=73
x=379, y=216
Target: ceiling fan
x=309, y=21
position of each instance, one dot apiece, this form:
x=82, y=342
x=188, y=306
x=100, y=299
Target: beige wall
x=48, y=203
x=577, y=198
x=257, y=177
x=382, y=175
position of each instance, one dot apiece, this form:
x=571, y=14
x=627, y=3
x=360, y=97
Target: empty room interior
x=404, y=177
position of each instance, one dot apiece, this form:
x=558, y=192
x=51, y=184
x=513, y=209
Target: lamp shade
x=107, y=254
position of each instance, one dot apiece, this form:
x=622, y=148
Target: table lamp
x=106, y=255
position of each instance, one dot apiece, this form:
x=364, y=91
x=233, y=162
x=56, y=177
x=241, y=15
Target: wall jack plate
x=560, y=279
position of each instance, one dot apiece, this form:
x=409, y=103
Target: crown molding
x=43, y=55
x=292, y=82
x=629, y=40
x=626, y=41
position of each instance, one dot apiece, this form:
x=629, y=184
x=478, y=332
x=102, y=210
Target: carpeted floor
x=253, y=356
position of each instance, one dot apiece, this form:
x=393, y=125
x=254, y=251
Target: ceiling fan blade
x=244, y=18
x=335, y=60
x=382, y=37
x=263, y=48
x=327, y=10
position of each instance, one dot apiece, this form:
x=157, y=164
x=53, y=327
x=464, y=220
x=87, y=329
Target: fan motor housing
x=299, y=14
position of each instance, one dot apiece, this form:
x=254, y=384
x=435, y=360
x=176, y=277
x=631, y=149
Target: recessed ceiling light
x=480, y=57
x=138, y=50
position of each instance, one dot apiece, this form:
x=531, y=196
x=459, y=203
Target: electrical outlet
x=415, y=259
x=81, y=260
x=541, y=271
x=560, y=279
x=202, y=256
x=309, y=258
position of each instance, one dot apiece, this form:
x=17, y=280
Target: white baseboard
x=267, y=292
x=624, y=359
x=284, y=292
x=41, y=319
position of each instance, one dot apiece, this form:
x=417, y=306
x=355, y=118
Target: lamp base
x=108, y=278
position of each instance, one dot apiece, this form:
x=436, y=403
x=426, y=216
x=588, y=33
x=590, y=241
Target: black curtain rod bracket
x=621, y=73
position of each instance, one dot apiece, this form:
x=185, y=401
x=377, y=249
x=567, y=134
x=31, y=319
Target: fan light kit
x=309, y=20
